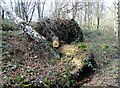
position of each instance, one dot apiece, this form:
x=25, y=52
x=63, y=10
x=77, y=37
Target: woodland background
x=99, y=22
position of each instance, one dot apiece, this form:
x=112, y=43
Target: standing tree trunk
x=39, y=9
x=85, y=16
x=2, y=14
x=81, y=17
x=23, y=10
x=57, y=9
x=119, y=27
x=98, y=15
x=89, y=15
x=75, y=9
x=42, y=13
x=32, y=14
x=19, y=8
x=0, y=49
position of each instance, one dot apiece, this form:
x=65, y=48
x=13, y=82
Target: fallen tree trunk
x=32, y=33
x=44, y=28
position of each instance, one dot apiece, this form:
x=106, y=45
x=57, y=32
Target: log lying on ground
x=65, y=30
x=44, y=28
x=32, y=33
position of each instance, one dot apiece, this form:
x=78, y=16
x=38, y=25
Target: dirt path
x=106, y=77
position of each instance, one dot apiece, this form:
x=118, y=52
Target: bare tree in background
x=0, y=18
x=2, y=14
x=119, y=26
x=42, y=12
x=89, y=15
x=115, y=10
x=80, y=14
x=85, y=16
x=1, y=81
x=40, y=9
x=25, y=9
x=57, y=10
x=18, y=8
x=98, y=15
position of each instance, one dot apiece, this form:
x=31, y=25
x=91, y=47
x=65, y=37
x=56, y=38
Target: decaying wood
x=32, y=33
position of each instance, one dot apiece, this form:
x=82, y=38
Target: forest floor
x=101, y=43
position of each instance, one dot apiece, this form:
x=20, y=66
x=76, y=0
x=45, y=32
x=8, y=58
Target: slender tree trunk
x=23, y=10
x=119, y=27
x=42, y=13
x=1, y=81
x=81, y=18
x=2, y=14
x=1, y=18
x=98, y=22
x=57, y=10
x=19, y=11
x=88, y=15
x=39, y=9
x=75, y=9
x=85, y=18
x=32, y=14
x=98, y=15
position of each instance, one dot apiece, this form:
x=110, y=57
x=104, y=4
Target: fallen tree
x=32, y=33
x=67, y=30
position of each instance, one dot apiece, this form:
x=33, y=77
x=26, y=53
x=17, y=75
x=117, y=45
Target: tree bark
x=2, y=14
x=85, y=17
x=39, y=9
x=119, y=28
x=42, y=13
x=32, y=33
x=0, y=50
x=44, y=28
x=98, y=15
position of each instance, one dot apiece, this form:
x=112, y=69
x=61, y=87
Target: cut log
x=44, y=28
x=32, y=33
x=55, y=42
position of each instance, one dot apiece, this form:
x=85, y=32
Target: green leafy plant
x=105, y=46
x=26, y=85
x=46, y=82
x=19, y=79
x=83, y=46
